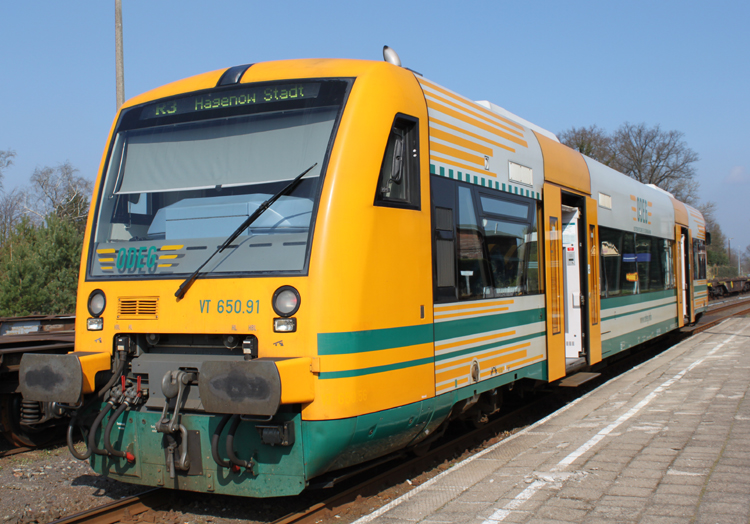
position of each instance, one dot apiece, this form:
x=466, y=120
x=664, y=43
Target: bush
x=39, y=268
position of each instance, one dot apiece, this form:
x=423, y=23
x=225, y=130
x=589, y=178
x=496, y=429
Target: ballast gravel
x=44, y=485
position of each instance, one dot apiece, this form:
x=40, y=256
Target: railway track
x=720, y=311
x=14, y=451
x=398, y=470
x=119, y=510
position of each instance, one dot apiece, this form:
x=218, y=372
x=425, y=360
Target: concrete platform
x=666, y=442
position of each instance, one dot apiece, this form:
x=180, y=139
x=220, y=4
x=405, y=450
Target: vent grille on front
x=143, y=308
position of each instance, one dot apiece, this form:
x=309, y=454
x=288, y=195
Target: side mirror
x=708, y=238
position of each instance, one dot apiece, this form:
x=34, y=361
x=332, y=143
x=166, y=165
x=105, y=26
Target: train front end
x=196, y=338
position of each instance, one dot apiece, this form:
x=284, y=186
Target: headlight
x=284, y=325
x=286, y=301
x=97, y=302
x=94, y=324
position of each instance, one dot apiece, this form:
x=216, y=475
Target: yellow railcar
x=293, y=267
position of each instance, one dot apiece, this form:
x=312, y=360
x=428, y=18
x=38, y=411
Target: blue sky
x=680, y=64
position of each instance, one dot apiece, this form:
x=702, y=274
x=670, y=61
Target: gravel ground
x=43, y=485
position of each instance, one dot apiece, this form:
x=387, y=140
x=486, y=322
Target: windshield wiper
x=261, y=208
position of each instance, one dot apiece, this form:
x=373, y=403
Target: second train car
x=294, y=267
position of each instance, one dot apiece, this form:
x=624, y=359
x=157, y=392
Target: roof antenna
x=390, y=56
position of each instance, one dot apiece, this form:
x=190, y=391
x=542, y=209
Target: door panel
x=689, y=270
x=678, y=266
x=594, y=303
x=552, y=228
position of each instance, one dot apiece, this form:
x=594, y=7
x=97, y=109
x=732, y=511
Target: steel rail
x=14, y=451
x=123, y=509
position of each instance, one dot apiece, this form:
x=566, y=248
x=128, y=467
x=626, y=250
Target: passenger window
x=504, y=207
x=445, y=253
x=398, y=184
x=654, y=267
x=619, y=263
x=511, y=245
x=699, y=260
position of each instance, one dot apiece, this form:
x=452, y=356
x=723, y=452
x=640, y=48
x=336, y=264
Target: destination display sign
x=265, y=94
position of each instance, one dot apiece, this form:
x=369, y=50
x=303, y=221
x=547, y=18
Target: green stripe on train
x=639, y=336
x=350, y=342
x=478, y=325
x=349, y=373
x=373, y=339
x=627, y=300
x=641, y=310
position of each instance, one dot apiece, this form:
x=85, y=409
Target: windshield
x=184, y=174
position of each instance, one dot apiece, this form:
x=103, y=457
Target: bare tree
x=653, y=156
x=6, y=159
x=58, y=191
x=11, y=211
x=591, y=141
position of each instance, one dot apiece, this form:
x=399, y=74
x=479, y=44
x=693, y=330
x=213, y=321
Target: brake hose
x=108, y=430
x=95, y=426
x=215, y=443
x=230, y=446
x=74, y=418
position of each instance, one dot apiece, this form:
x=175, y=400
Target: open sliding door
x=553, y=260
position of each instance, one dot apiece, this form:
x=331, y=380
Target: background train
x=431, y=252
x=29, y=423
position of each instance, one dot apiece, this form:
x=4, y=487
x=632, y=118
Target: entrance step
x=576, y=380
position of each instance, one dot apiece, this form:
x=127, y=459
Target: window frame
x=530, y=220
x=656, y=250
x=129, y=118
x=412, y=176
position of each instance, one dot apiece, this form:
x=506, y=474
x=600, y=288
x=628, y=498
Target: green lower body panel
x=319, y=447
x=279, y=470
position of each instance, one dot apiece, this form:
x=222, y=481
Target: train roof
x=623, y=202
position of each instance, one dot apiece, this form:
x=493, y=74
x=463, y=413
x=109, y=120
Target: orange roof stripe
x=474, y=122
x=457, y=140
x=477, y=115
x=469, y=133
x=473, y=104
x=457, y=153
